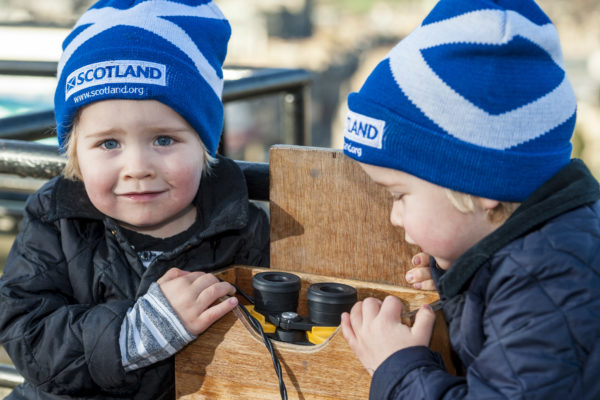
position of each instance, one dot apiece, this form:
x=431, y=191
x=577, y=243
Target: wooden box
x=329, y=223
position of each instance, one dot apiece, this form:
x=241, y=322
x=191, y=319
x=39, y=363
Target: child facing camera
x=467, y=123
x=109, y=276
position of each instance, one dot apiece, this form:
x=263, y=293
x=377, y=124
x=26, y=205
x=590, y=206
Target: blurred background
x=338, y=41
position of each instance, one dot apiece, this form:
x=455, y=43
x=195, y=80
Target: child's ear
x=488, y=204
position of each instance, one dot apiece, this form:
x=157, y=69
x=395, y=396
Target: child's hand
x=420, y=276
x=374, y=330
x=192, y=295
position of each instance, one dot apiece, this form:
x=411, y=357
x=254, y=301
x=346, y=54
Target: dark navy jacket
x=523, y=307
x=71, y=276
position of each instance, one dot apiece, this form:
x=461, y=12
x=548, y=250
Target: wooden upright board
x=329, y=218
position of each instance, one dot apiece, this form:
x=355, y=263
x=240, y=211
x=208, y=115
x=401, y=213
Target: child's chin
x=442, y=264
x=408, y=240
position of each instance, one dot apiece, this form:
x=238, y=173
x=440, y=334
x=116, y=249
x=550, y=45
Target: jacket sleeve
x=58, y=345
x=529, y=349
x=151, y=331
x=412, y=373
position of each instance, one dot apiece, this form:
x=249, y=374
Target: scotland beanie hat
x=171, y=51
x=476, y=99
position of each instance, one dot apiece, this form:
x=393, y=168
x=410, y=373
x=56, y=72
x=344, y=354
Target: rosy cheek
x=186, y=180
x=422, y=230
x=97, y=189
x=177, y=170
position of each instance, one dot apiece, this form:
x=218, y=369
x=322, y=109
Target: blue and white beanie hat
x=171, y=51
x=476, y=99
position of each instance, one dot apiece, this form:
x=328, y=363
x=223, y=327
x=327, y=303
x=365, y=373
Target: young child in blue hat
x=109, y=275
x=467, y=123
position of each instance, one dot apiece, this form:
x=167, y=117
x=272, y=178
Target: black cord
x=269, y=345
x=266, y=339
x=244, y=294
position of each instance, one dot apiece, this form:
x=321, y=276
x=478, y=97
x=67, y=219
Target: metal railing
x=9, y=376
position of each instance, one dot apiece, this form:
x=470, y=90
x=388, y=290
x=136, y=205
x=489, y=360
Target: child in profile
x=467, y=123
x=109, y=276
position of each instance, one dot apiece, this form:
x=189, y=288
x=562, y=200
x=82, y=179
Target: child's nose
x=396, y=215
x=137, y=165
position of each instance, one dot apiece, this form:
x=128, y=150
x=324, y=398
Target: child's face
x=428, y=217
x=141, y=164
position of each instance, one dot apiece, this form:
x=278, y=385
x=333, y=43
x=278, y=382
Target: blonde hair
x=465, y=203
x=72, y=171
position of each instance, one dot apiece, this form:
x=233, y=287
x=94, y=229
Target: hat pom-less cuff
x=375, y=135
x=180, y=79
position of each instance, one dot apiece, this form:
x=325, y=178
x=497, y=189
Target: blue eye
x=110, y=144
x=163, y=141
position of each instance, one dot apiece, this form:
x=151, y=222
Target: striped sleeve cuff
x=151, y=331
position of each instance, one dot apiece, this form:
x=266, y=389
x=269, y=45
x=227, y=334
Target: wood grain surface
x=329, y=218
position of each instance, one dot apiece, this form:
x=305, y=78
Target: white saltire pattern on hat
x=102, y=19
x=465, y=120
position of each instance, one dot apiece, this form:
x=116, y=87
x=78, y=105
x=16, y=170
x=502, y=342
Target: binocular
x=276, y=304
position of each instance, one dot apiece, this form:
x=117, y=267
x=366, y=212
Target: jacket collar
x=222, y=200
x=570, y=188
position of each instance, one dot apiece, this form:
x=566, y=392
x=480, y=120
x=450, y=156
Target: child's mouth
x=142, y=196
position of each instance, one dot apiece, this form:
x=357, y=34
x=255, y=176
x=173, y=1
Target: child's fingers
x=420, y=278
x=213, y=292
x=370, y=309
x=356, y=317
x=421, y=260
x=425, y=285
x=391, y=308
x=347, y=330
x=171, y=274
x=423, y=326
x=418, y=274
x=212, y=314
x=199, y=282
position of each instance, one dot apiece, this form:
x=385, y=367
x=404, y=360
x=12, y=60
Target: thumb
x=171, y=274
x=423, y=326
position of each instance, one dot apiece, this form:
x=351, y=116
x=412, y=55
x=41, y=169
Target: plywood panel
x=329, y=218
